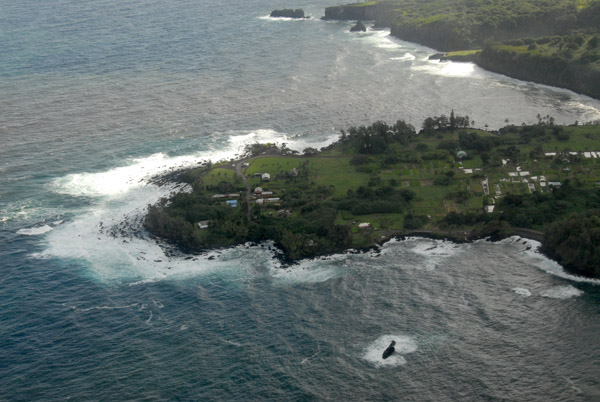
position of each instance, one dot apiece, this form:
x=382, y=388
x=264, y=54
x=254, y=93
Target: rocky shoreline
x=174, y=178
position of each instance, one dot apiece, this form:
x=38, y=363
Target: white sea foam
x=433, y=248
x=405, y=57
x=103, y=236
x=561, y=292
x=112, y=256
x=137, y=172
x=532, y=256
x=404, y=345
x=522, y=292
x=448, y=68
x=382, y=39
x=591, y=113
x=310, y=271
x=35, y=231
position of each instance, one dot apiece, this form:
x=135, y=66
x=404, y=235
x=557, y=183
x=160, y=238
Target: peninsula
x=379, y=181
x=550, y=42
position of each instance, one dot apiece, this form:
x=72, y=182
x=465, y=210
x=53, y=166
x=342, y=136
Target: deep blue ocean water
x=98, y=97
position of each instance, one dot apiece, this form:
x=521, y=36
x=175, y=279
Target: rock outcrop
x=288, y=13
x=359, y=27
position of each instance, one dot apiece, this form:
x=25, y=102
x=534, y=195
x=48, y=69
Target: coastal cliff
x=553, y=71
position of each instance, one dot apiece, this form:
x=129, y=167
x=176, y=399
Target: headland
x=383, y=181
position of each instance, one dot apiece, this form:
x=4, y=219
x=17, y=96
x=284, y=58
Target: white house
x=265, y=177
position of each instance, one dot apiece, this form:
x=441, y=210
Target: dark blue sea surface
x=99, y=97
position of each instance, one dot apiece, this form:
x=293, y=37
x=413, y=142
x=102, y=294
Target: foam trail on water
x=35, y=231
x=561, y=292
x=406, y=57
x=404, y=345
x=522, y=292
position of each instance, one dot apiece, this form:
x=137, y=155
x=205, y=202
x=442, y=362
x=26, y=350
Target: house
x=232, y=203
x=203, y=224
x=258, y=190
x=364, y=226
x=265, y=177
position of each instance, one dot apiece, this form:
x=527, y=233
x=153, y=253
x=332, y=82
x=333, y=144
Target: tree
x=575, y=242
x=310, y=151
x=452, y=120
x=485, y=158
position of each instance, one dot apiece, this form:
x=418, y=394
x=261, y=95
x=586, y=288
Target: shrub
x=359, y=159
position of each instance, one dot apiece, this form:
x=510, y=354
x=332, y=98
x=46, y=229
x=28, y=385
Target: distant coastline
x=538, y=46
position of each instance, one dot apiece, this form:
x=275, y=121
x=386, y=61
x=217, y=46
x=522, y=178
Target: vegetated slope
x=450, y=25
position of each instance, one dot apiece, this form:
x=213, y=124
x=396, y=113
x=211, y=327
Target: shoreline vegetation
x=553, y=43
x=384, y=181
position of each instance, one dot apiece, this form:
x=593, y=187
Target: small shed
x=364, y=226
x=258, y=190
x=232, y=203
x=265, y=177
x=203, y=224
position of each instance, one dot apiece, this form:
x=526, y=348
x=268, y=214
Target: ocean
x=99, y=97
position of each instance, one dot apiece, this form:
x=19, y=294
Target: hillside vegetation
x=446, y=180
x=549, y=41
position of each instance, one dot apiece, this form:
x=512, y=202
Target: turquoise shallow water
x=98, y=97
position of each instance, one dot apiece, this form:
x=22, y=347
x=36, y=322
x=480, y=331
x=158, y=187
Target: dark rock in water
x=359, y=27
x=390, y=350
x=288, y=13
